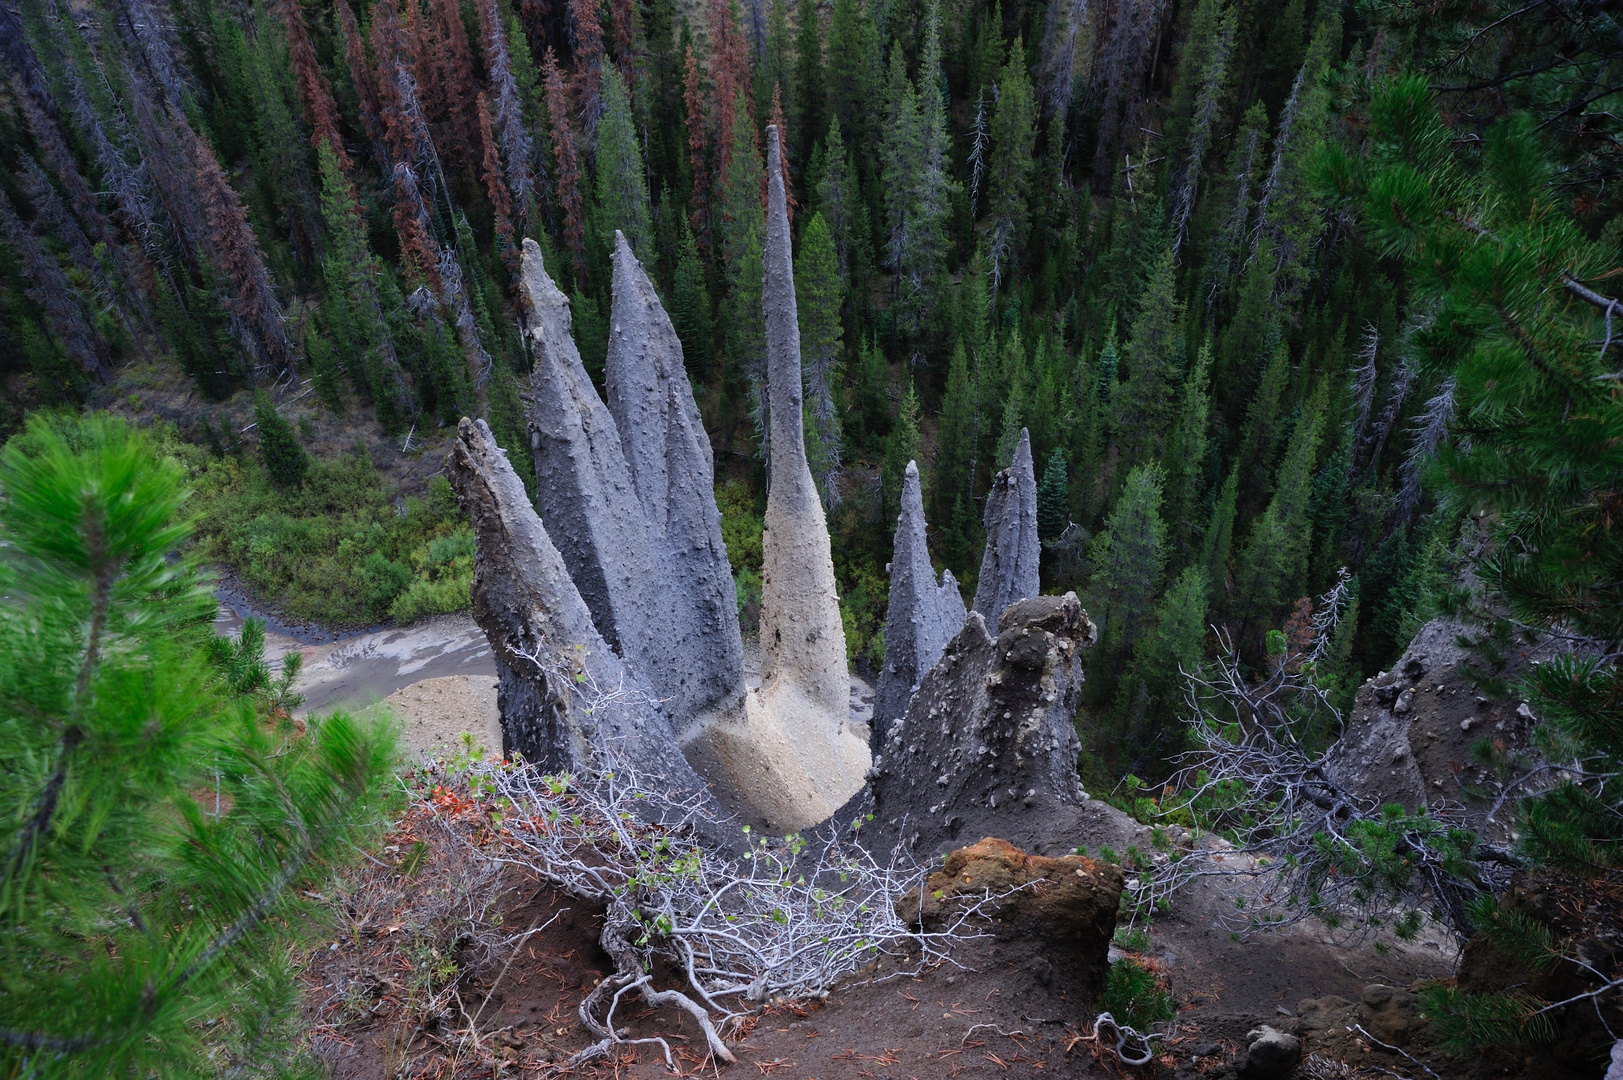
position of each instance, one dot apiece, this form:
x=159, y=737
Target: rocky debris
x=567, y=701
x=1409, y=737
x=1009, y=563
x=987, y=744
x=1066, y=907
x=923, y=616
x=1270, y=1054
x=1390, y=1014
x=799, y=757
x=699, y=666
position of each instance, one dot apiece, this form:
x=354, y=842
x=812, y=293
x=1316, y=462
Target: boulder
x=923, y=616
x=1270, y=1054
x=1066, y=907
x=1390, y=1014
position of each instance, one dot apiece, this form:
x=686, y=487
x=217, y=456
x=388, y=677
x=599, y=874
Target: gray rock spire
x=1009, y=565
x=924, y=615
x=583, y=485
x=567, y=701
x=700, y=661
x=804, y=698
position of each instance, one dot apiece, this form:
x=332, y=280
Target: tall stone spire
x=805, y=685
x=924, y=615
x=701, y=660
x=583, y=485
x=1009, y=565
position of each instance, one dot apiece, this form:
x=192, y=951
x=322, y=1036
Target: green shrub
x=340, y=548
x=1134, y=996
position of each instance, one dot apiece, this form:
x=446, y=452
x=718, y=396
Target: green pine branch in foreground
x=157, y=826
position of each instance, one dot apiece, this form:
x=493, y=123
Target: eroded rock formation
x=987, y=745
x=813, y=760
x=1009, y=564
x=923, y=616
x=567, y=701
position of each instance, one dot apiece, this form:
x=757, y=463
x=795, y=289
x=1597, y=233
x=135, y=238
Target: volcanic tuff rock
x=987, y=743
x=923, y=616
x=567, y=702
x=1009, y=564
x=816, y=760
x=668, y=453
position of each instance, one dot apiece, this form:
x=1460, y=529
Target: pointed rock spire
x=567, y=702
x=924, y=615
x=805, y=685
x=701, y=658
x=1009, y=566
x=583, y=485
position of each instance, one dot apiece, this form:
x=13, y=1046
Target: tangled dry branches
x=785, y=919
x=1296, y=843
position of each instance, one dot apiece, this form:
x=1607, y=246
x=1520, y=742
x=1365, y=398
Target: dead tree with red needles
x=564, y=153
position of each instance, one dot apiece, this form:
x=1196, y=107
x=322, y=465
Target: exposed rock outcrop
x=567, y=701
x=1065, y=907
x=1009, y=563
x=813, y=760
x=987, y=744
x=923, y=616
x=1409, y=735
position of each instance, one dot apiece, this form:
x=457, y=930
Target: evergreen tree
x=854, y=72
x=1130, y=558
x=1053, y=498
x=1013, y=137
x=817, y=301
x=1150, y=693
x=622, y=188
x=1186, y=457
x=955, y=434
x=1220, y=533
x=808, y=115
x=279, y=448
x=901, y=446
x=1154, y=356
x=1271, y=569
x=690, y=308
x=149, y=933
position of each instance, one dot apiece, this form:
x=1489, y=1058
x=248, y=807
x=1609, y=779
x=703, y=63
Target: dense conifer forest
x=1276, y=288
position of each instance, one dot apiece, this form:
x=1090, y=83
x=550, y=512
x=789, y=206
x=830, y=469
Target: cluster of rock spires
x=614, y=624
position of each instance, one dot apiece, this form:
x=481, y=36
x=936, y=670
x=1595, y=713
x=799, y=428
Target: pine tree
x=855, y=75
x=1053, y=498
x=149, y=933
x=622, y=188
x=1186, y=456
x=1259, y=438
x=808, y=116
x=1270, y=571
x=1130, y=557
x=1013, y=136
x=901, y=446
x=955, y=436
x=567, y=160
x=817, y=301
x=1154, y=356
x=1150, y=693
x=690, y=308
x=285, y=459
